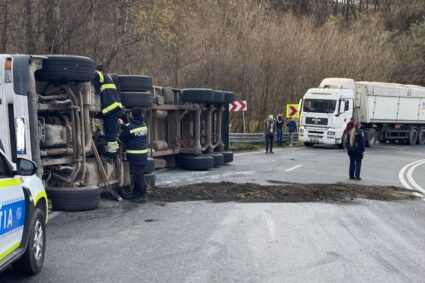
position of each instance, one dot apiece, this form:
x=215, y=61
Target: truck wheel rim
x=38, y=241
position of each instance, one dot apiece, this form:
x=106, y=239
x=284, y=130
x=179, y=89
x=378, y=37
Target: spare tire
x=198, y=95
x=228, y=156
x=150, y=166
x=136, y=99
x=135, y=83
x=191, y=162
x=218, y=158
x=75, y=198
x=66, y=68
x=229, y=97
x=150, y=179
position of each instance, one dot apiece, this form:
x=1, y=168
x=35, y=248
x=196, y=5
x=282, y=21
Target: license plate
x=314, y=140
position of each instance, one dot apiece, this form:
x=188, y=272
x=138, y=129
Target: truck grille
x=316, y=121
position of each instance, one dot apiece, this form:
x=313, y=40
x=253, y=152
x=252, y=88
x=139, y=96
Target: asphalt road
x=368, y=241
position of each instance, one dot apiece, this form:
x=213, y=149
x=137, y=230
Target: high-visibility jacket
x=134, y=136
x=109, y=97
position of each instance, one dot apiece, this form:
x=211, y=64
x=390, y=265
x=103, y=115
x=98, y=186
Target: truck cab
x=325, y=112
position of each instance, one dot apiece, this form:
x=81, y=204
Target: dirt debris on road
x=284, y=192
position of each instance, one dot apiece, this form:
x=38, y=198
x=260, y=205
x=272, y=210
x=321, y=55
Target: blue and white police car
x=23, y=216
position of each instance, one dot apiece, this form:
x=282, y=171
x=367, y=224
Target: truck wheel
x=421, y=137
x=66, y=68
x=229, y=97
x=137, y=99
x=191, y=162
x=74, y=199
x=217, y=157
x=344, y=142
x=371, y=138
x=228, y=156
x=308, y=144
x=150, y=179
x=135, y=83
x=198, y=95
x=150, y=166
x=32, y=260
x=413, y=136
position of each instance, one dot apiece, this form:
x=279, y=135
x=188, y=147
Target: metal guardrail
x=255, y=137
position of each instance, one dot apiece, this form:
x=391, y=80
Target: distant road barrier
x=255, y=137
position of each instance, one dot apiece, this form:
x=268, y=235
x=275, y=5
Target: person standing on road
x=269, y=129
x=111, y=110
x=355, y=151
x=279, y=127
x=134, y=136
x=292, y=129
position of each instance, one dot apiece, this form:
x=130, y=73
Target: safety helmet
x=271, y=117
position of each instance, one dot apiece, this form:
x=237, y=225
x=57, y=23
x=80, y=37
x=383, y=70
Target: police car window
x=4, y=168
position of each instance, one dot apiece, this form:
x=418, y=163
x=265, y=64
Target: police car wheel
x=136, y=99
x=228, y=156
x=150, y=180
x=66, y=68
x=32, y=260
x=74, y=199
x=191, y=162
x=135, y=83
x=198, y=95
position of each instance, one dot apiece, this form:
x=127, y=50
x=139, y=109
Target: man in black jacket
x=135, y=138
x=111, y=110
x=355, y=151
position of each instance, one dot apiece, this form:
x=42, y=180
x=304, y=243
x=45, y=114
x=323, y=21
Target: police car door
x=12, y=209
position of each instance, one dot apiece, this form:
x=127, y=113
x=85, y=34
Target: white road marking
x=271, y=227
x=409, y=182
x=54, y=214
x=292, y=168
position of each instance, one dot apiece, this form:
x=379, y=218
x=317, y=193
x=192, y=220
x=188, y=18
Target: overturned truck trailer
x=50, y=113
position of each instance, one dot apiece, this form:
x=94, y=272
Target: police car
x=23, y=216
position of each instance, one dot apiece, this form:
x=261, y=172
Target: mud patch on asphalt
x=289, y=192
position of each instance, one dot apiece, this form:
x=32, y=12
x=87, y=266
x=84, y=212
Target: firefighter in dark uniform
x=134, y=136
x=111, y=110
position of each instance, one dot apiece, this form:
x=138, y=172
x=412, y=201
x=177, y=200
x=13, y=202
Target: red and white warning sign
x=238, y=105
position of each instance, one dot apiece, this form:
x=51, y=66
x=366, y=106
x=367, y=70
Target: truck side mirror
x=25, y=167
x=341, y=107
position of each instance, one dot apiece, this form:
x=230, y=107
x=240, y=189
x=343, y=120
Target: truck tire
x=228, y=156
x=217, y=157
x=150, y=166
x=135, y=83
x=198, y=95
x=308, y=144
x=137, y=99
x=344, y=142
x=32, y=260
x=66, y=68
x=371, y=138
x=421, y=136
x=191, y=162
x=74, y=199
x=150, y=180
x=229, y=97
x=219, y=97
x=413, y=136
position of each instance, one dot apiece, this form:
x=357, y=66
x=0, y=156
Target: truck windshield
x=319, y=105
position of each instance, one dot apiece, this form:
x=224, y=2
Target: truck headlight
x=331, y=133
x=301, y=131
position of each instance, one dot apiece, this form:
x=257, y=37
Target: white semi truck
x=388, y=112
x=49, y=113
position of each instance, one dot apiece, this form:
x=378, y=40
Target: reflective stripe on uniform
x=112, y=147
x=101, y=77
x=107, y=86
x=137, y=151
x=10, y=182
x=112, y=107
x=138, y=129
